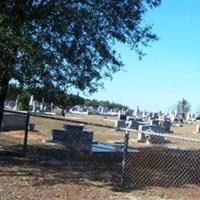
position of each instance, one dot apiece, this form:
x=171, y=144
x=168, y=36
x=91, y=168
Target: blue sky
x=170, y=70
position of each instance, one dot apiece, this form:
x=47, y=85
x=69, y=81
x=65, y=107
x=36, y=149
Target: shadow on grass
x=50, y=165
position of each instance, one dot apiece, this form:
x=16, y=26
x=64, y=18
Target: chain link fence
x=164, y=160
x=97, y=151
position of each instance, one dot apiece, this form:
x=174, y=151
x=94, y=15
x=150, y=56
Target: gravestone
x=75, y=129
x=13, y=121
x=188, y=116
x=155, y=115
x=172, y=118
x=153, y=139
x=32, y=104
x=119, y=124
x=151, y=115
x=167, y=125
x=16, y=103
x=73, y=136
x=143, y=114
x=132, y=123
x=37, y=109
x=59, y=135
x=84, y=141
x=198, y=128
x=122, y=117
x=41, y=107
x=153, y=128
x=154, y=122
x=140, y=128
x=141, y=137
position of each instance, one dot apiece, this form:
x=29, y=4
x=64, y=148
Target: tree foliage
x=68, y=43
x=111, y=105
x=61, y=44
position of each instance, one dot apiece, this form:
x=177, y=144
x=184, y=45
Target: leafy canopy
x=69, y=43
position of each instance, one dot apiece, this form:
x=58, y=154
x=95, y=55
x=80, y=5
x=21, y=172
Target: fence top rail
x=59, y=118
x=189, y=139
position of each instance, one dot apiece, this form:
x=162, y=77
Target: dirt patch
x=24, y=178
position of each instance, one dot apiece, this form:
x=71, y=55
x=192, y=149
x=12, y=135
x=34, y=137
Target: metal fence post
x=26, y=133
x=125, y=152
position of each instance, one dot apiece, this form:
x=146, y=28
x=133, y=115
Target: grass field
x=104, y=134
x=43, y=175
x=44, y=128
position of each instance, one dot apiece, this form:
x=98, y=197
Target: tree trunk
x=4, y=81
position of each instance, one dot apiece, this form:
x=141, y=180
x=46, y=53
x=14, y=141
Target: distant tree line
x=111, y=105
x=57, y=97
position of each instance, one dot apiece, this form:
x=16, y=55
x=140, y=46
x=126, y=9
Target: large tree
x=67, y=43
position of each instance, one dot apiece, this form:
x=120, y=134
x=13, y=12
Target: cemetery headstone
x=141, y=137
x=188, y=117
x=119, y=124
x=198, y=128
x=122, y=117
x=16, y=103
x=13, y=121
x=73, y=129
x=155, y=115
x=154, y=122
x=153, y=139
x=132, y=123
x=41, y=107
x=73, y=136
x=167, y=125
x=59, y=135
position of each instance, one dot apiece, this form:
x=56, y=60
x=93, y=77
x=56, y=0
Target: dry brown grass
x=103, y=134
x=32, y=135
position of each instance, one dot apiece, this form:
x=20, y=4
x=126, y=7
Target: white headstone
x=51, y=106
x=188, y=116
x=198, y=128
x=16, y=103
x=33, y=106
x=143, y=114
x=141, y=137
x=41, y=107
x=176, y=112
x=31, y=101
x=118, y=116
x=172, y=117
